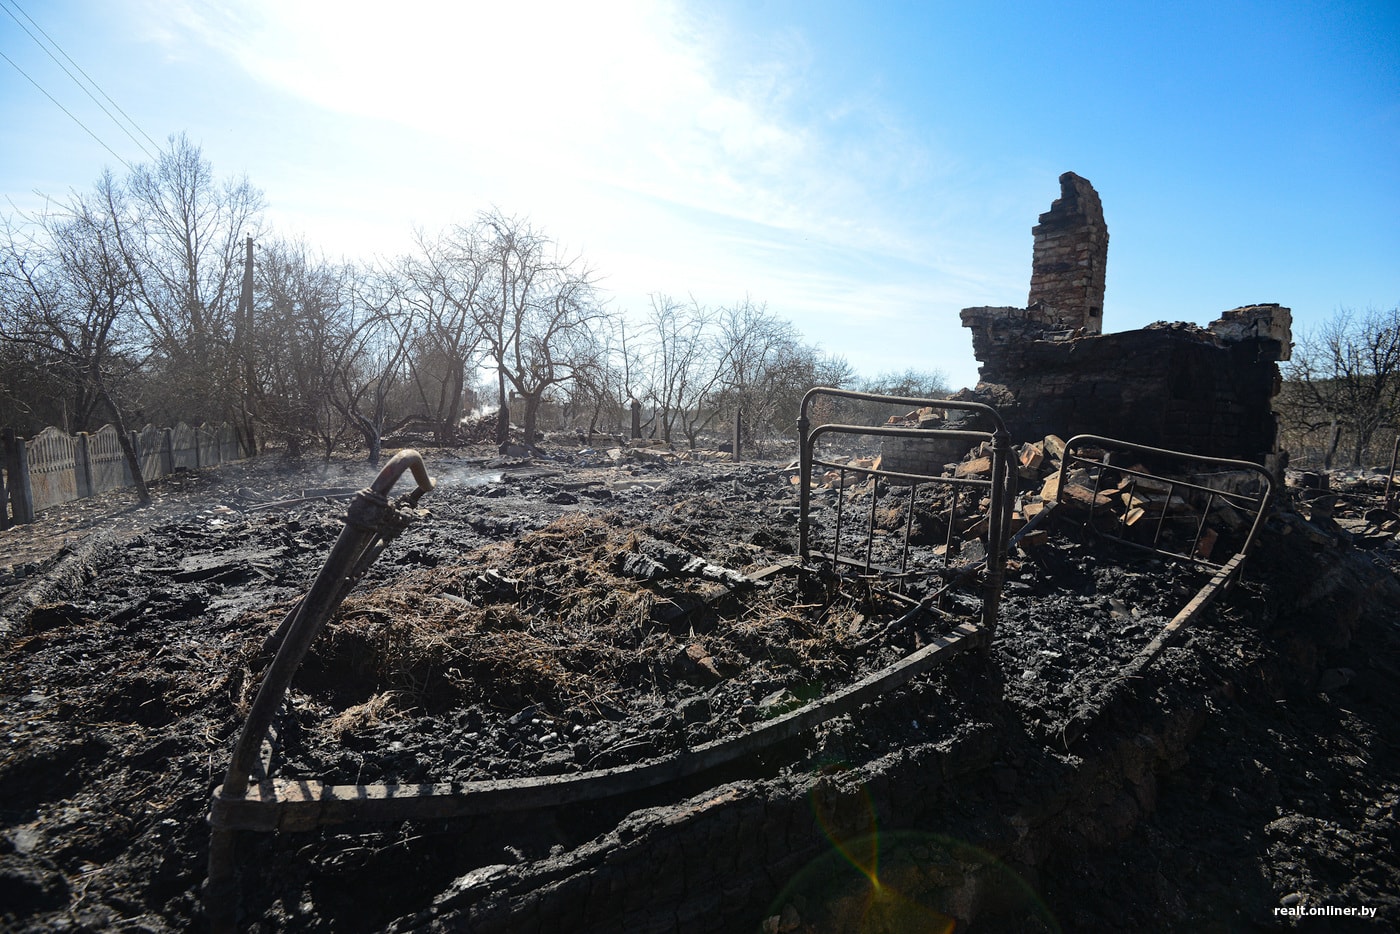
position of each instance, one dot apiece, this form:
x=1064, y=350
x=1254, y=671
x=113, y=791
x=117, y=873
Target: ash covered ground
x=564, y=614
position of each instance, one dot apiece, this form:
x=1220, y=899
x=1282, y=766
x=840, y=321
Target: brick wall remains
x=1179, y=386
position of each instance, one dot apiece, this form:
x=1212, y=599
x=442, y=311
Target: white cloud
x=630, y=94
x=675, y=154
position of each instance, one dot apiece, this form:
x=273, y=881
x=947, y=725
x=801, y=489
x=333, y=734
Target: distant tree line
x=1341, y=391
x=135, y=302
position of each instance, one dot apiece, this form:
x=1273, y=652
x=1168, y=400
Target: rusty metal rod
x=950, y=539
x=1201, y=526
x=1127, y=507
x=1000, y=505
x=908, y=531
x=840, y=504
x=1162, y=519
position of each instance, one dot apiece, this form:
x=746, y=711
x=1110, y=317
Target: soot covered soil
x=550, y=617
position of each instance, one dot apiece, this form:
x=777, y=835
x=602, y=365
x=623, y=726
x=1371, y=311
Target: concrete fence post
x=17, y=467
x=167, y=452
x=5, y=520
x=636, y=419
x=738, y=435
x=82, y=465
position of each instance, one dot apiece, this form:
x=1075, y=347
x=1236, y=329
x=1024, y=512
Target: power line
x=86, y=75
x=84, y=88
x=67, y=111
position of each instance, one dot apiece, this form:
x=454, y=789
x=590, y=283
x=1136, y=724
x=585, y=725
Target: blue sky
x=866, y=169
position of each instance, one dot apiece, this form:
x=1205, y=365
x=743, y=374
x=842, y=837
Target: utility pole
x=245, y=350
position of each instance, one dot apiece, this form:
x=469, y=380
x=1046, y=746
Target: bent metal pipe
x=371, y=522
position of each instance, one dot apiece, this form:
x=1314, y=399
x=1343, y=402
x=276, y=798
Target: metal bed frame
x=1188, y=501
x=251, y=798
x=998, y=488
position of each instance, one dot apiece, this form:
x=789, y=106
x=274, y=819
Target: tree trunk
x=593, y=422
x=532, y=411
x=133, y=463
x=247, y=442
x=374, y=440
x=458, y=382
x=1363, y=441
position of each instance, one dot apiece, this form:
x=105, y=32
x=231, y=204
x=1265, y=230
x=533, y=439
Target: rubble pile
x=595, y=612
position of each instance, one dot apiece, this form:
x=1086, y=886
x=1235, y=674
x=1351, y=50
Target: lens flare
x=904, y=881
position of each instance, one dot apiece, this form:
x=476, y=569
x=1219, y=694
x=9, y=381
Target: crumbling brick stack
x=1179, y=386
x=1069, y=259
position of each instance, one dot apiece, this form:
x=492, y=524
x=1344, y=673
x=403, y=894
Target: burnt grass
x=550, y=617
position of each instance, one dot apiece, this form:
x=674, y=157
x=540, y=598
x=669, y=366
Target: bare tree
x=370, y=361
x=682, y=370
x=705, y=365
x=181, y=233
x=297, y=313
x=924, y=384
x=602, y=388
x=765, y=367
x=332, y=344
x=537, y=312
x=1345, y=376
x=516, y=253
x=441, y=285
x=555, y=341
x=31, y=393
x=70, y=291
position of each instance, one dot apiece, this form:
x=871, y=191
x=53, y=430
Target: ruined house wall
x=1178, y=386
x=1170, y=386
x=1070, y=259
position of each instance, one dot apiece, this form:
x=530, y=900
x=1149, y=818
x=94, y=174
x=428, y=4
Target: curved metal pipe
x=407, y=459
x=365, y=521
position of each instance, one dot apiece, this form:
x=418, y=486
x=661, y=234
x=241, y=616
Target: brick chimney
x=1069, y=260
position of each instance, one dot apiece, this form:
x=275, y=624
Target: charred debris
x=1071, y=650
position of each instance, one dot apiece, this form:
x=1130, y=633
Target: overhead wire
x=139, y=144
x=89, y=78
x=80, y=123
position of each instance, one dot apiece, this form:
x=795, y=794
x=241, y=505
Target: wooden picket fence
x=55, y=467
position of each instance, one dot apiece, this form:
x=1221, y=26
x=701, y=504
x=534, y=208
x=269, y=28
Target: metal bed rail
x=996, y=488
x=1184, y=500
x=1154, y=500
